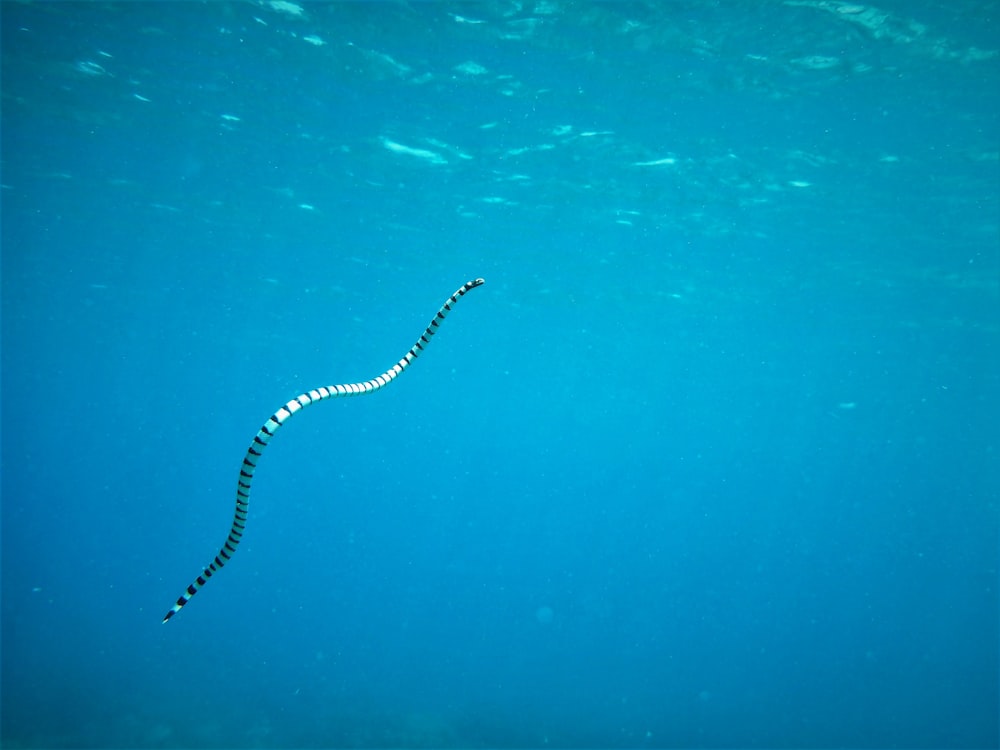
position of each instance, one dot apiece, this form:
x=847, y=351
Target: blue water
x=710, y=461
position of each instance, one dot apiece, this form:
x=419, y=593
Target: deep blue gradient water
x=711, y=460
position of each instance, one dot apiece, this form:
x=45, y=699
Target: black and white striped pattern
x=271, y=426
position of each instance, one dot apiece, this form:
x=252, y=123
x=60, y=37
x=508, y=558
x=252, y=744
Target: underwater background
x=711, y=459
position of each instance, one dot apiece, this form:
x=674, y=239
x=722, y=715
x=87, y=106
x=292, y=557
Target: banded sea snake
x=276, y=420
